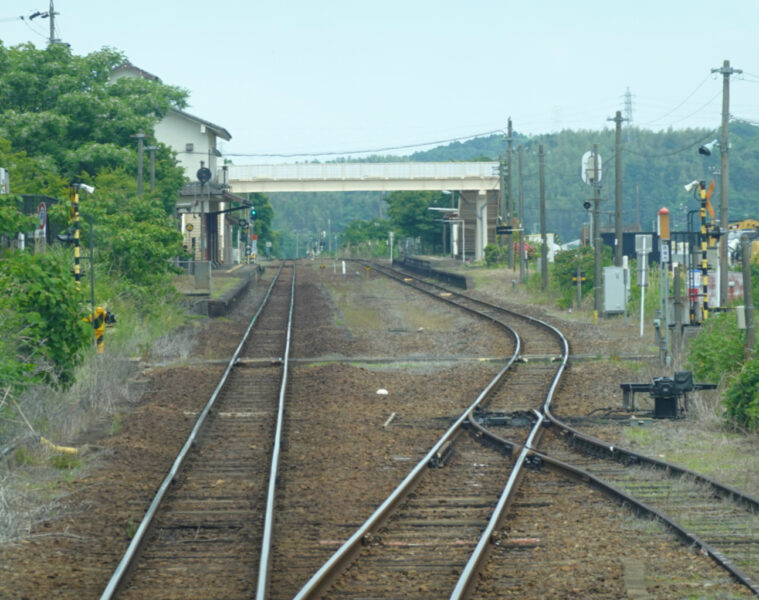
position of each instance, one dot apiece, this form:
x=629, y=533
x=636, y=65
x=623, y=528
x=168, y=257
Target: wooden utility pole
x=523, y=232
x=726, y=71
x=618, y=189
x=509, y=197
x=543, y=236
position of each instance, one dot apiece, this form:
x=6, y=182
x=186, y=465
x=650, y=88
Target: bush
x=718, y=349
x=742, y=397
x=43, y=315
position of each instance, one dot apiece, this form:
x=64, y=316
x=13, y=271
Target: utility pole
x=618, y=189
x=152, y=150
x=51, y=14
x=509, y=197
x=501, y=194
x=140, y=146
x=543, y=236
x=596, y=233
x=523, y=232
x=726, y=71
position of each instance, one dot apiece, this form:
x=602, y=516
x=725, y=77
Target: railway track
x=443, y=531
x=720, y=520
x=421, y=540
x=732, y=543
x=203, y=534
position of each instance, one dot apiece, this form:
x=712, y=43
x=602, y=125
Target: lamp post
x=152, y=150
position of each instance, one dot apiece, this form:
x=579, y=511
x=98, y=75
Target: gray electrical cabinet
x=614, y=290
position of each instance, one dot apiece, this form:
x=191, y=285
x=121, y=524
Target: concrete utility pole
x=152, y=150
x=140, y=146
x=726, y=71
x=509, y=196
x=51, y=14
x=596, y=232
x=501, y=194
x=618, y=189
x=543, y=236
x=523, y=233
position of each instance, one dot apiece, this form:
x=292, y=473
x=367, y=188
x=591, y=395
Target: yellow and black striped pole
x=74, y=195
x=98, y=327
x=704, y=261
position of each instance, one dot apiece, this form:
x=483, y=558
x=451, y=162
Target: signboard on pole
x=664, y=251
x=588, y=167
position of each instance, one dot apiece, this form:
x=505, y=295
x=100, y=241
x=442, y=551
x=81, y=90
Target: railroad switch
x=533, y=462
x=487, y=418
x=666, y=392
x=442, y=456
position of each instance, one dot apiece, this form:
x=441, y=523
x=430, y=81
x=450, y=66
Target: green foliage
x=358, y=232
x=135, y=238
x=12, y=220
x=410, y=215
x=717, y=351
x=43, y=312
x=564, y=270
x=742, y=398
x=65, y=461
x=61, y=109
x=495, y=254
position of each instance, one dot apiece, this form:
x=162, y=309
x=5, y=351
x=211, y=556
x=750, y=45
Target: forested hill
x=655, y=167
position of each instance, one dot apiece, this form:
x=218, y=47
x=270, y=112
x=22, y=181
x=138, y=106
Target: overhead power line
x=665, y=115
x=368, y=151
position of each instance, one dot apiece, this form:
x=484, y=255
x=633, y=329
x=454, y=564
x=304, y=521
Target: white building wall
x=177, y=131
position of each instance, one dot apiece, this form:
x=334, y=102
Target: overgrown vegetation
x=63, y=121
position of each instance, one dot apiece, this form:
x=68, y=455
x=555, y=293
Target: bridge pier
x=479, y=210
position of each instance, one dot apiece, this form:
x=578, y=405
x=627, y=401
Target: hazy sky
x=292, y=77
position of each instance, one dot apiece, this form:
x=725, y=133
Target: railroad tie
x=634, y=578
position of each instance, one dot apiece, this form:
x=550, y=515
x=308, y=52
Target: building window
x=189, y=147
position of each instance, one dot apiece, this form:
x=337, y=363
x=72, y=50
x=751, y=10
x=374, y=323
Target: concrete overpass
x=476, y=184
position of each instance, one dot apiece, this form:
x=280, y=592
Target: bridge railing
x=360, y=171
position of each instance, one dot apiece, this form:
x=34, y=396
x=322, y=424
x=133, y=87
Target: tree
x=62, y=108
x=410, y=215
x=61, y=120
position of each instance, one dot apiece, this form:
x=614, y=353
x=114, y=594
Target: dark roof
x=127, y=66
x=213, y=189
x=217, y=129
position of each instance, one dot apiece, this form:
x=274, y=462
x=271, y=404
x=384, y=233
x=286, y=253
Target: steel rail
x=469, y=575
x=132, y=552
x=613, y=452
x=640, y=507
x=320, y=580
x=264, y=568
x=466, y=583
x=621, y=454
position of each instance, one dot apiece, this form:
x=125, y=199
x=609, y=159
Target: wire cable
x=690, y=146
x=369, y=151
x=698, y=87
